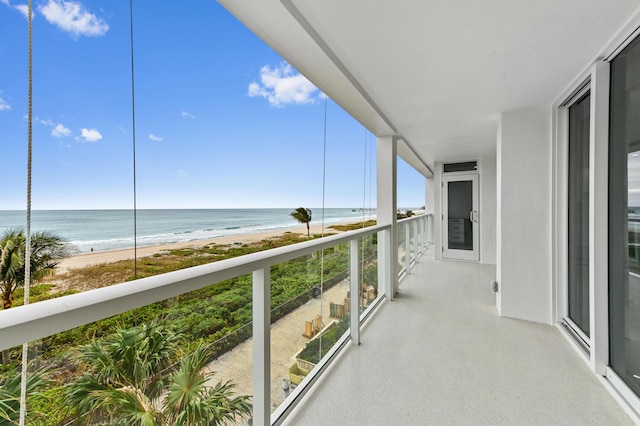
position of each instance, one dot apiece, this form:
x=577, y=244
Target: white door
x=460, y=226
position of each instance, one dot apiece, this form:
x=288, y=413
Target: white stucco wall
x=437, y=210
x=429, y=190
x=487, y=168
x=524, y=215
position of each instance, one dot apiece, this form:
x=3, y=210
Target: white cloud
x=4, y=106
x=71, y=17
x=48, y=122
x=24, y=9
x=282, y=85
x=60, y=131
x=155, y=138
x=90, y=135
x=185, y=114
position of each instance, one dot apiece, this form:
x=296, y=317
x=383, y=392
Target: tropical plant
x=141, y=376
x=302, y=215
x=47, y=250
x=10, y=393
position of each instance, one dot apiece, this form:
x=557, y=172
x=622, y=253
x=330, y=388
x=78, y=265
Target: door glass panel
x=579, y=213
x=624, y=217
x=460, y=205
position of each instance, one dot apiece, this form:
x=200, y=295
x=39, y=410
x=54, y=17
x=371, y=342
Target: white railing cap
x=35, y=321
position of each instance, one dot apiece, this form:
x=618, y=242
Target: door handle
x=473, y=216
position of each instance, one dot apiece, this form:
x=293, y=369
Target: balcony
x=437, y=351
x=440, y=354
x=350, y=256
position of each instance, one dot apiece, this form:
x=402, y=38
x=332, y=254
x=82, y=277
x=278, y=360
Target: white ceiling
x=438, y=73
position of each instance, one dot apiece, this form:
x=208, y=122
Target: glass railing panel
x=295, y=297
x=99, y=372
x=368, y=283
x=412, y=241
x=310, y=300
x=402, y=246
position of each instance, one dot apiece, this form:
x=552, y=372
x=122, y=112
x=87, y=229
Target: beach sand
x=95, y=258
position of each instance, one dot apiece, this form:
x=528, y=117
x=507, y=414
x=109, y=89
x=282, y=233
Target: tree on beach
x=141, y=376
x=302, y=215
x=47, y=250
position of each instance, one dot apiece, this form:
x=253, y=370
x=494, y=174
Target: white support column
x=429, y=195
x=384, y=262
x=524, y=214
x=438, y=218
x=354, y=303
x=387, y=158
x=407, y=247
x=599, y=218
x=262, y=346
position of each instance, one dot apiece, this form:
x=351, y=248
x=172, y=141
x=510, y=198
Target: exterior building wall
x=487, y=168
x=524, y=215
x=437, y=216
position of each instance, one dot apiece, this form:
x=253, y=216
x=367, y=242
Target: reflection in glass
x=624, y=215
x=310, y=311
x=368, y=271
x=460, y=205
x=579, y=213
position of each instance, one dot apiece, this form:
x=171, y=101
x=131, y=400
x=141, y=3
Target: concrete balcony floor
x=439, y=354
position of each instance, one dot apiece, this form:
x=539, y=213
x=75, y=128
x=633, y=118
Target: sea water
x=100, y=230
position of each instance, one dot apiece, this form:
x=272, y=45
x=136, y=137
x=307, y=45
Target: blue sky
x=221, y=120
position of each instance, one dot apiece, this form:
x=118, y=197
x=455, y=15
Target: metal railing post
x=385, y=273
x=262, y=346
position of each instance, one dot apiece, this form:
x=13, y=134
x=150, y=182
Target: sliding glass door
x=578, y=229
x=624, y=216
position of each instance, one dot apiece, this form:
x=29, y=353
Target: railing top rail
x=416, y=217
x=42, y=319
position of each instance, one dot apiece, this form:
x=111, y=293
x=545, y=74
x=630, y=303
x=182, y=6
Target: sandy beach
x=95, y=258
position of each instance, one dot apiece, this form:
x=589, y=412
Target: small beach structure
x=313, y=327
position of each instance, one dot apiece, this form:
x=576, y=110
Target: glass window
x=579, y=213
x=624, y=216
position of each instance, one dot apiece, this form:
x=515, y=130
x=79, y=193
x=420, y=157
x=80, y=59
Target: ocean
x=113, y=229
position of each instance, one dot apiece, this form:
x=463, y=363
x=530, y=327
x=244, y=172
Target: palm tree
x=135, y=378
x=10, y=393
x=302, y=215
x=47, y=250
